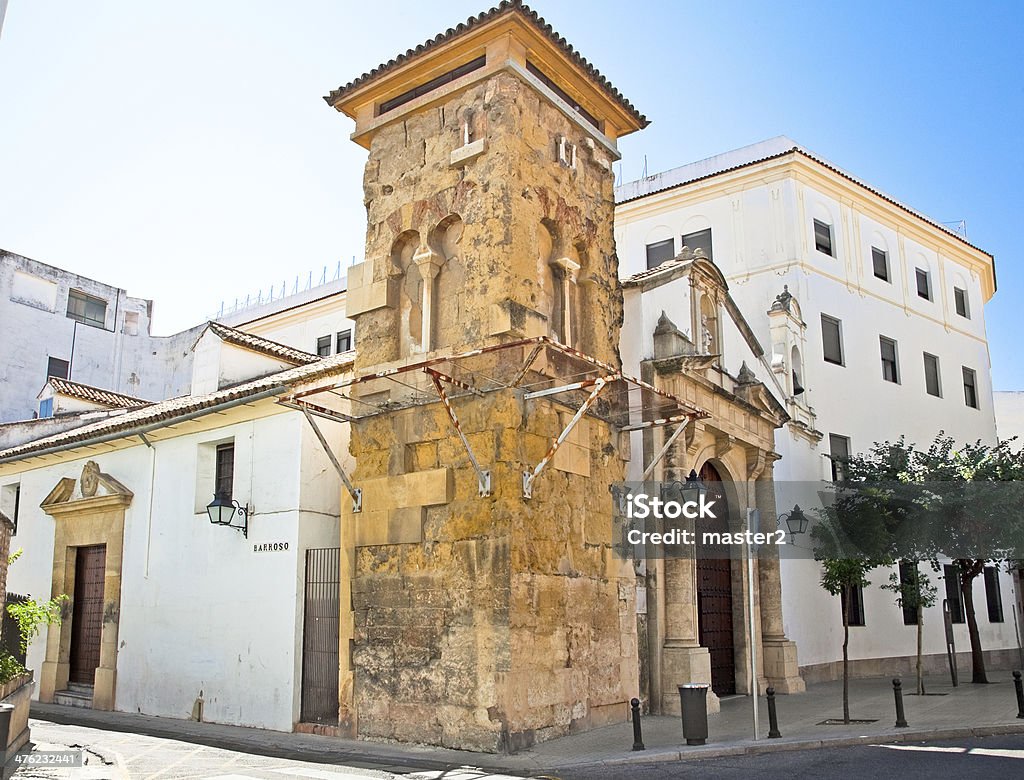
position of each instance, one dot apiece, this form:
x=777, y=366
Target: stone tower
x=486, y=621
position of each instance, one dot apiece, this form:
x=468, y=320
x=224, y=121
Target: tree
x=916, y=592
x=30, y=615
x=974, y=514
x=840, y=576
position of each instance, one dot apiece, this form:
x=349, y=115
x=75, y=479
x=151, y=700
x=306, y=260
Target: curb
x=789, y=745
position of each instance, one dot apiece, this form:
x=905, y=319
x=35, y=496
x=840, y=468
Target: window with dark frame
x=931, y=376
x=855, y=615
x=344, y=341
x=57, y=367
x=960, y=301
x=660, y=251
x=970, y=387
x=908, y=573
x=699, y=240
x=224, y=473
x=880, y=263
x=890, y=362
x=823, y=238
x=323, y=346
x=951, y=574
x=924, y=285
x=87, y=309
x=832, y=340
x=838, y=453
x=993, y=597
x=17, y=508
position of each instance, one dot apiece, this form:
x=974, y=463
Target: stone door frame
x=84, y=521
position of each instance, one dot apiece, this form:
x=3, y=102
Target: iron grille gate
x=320, y=636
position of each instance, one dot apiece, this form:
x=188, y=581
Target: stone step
x=75, y=696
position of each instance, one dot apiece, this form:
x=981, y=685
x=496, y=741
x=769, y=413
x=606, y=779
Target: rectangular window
x=699, y=240
x=993, y=597
x=960, y=300
x=46, y=407
x=838, y=453
x=430, y=86
x=951, y=575
x=880, y=263
x=855, y=617
x=57, y=367
x=970, y=387
x=344, y=341
x=660, y=251
x=224, y=474
x=924, y=285
x=17, y=508
x=823, y=238
x=832, y=339
x=908, y=572
x=890, y=364
x=323, y=346
x=931, y=375
x=87, y=309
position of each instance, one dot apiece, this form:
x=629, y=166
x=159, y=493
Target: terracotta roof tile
x=259, y=344
x=167, y=412
x=94, y=394
x=505, y=7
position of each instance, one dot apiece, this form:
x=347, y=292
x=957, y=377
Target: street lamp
x=796, y=521
x=221, y=511
x=688, y=491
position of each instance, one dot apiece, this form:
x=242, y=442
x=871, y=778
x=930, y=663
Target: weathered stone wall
x=504, y=196
x=507, y=621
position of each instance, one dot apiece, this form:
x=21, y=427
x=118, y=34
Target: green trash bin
x=694, y=700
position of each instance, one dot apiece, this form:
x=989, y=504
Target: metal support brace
x=356, y=493
x=483, y=476
x=529, y=477
x=664, y=451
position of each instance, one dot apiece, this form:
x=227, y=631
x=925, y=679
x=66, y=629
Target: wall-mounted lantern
x=221, y=512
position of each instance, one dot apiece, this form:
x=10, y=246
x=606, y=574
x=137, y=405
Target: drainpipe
x=149, y=516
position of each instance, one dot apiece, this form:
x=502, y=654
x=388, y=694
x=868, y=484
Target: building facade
x=869, y=324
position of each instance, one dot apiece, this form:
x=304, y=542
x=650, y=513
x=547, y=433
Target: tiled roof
x=259, y=344
x=773, y=149
x=668, y=265
x=167, y=412
x=94, y=394
x=505, y=7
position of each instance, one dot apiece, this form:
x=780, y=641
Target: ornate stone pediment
x=92, y=488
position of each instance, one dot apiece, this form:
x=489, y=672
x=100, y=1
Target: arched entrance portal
x=714, y=593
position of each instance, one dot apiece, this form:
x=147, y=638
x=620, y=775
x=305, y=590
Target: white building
x=871, y=317
x=73, y=327
x=185, y=618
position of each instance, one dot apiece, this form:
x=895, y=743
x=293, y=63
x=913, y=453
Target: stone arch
x=410, y=292
x=796, y=370
x=448, y=267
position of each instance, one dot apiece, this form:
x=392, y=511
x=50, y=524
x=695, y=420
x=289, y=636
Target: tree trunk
x=920, y=665
x=847, y=593
x=968, y=571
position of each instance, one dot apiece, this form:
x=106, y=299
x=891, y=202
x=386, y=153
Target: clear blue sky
x=182, y=149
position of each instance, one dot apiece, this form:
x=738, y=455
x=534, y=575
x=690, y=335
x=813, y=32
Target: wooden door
x=714, y=597
x=87, y=615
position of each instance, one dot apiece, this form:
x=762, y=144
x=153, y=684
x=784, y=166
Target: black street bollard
x=638, y=737
x=773, y=718
x=1020, y=694
x=897, y=690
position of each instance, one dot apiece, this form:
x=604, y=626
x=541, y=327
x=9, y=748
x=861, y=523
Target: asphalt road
x=982, y=757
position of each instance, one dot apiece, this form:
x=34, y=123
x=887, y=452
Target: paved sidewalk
x=969, y=710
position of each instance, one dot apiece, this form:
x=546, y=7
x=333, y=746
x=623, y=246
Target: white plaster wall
x=1009, y=405
x=201, y=612
x=300, y=327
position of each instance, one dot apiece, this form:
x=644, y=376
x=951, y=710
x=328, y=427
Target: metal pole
x=638, y=737
x=752, y=630
x=1020, y=694
x=897, y=691
x=773, y=717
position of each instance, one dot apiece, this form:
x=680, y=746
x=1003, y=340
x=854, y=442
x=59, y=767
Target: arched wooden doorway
x=714, y=593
